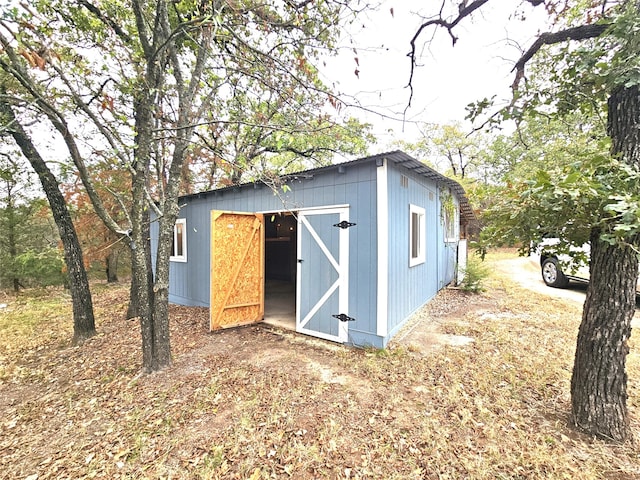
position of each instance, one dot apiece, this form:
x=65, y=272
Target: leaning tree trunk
x=83, y=320
x=599, y=380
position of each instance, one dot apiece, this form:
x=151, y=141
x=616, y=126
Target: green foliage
x=624, y=39
x=447, y=207
x=259, y=107
x=33, y=268
x=578, y=187
x=41, y=268
x=460, y=155
x=475, y=274
x=449, y=148
x=27, y=238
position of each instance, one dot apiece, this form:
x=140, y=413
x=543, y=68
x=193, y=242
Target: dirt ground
x=67, y=409
x=263, y=402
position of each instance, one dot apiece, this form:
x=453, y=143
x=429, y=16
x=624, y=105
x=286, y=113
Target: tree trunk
x=599, y=380
x=161, y=285
x=112, y=266
x=11, y=237
x=83, y=320
x=153, y=315
x=142, y=281
x=133, y=309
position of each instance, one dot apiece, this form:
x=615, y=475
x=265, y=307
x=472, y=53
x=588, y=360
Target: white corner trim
x=382, y=206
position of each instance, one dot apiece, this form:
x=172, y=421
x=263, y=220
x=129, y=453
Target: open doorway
x=280, y=269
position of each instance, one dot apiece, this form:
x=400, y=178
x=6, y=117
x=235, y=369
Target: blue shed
x=348, y=252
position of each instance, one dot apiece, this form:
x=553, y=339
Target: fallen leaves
x=248, y=403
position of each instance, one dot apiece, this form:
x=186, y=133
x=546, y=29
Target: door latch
x=344, y=224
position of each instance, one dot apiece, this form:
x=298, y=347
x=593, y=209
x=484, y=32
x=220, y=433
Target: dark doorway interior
x=280, y=270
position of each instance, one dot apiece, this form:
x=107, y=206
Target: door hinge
x=344, y=224
x=344, y=318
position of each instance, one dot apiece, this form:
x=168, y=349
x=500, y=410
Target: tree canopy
x=587, y=189
x=169, y=94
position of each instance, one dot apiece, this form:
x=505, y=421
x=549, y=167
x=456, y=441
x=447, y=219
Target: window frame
x=421, y=241
x=451, y=226
x=183, y=241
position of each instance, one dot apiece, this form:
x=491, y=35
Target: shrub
x=41, y=268
x=474, y=275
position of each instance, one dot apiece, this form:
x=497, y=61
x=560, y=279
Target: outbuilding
x=345, y=252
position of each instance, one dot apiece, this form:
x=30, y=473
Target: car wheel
x=552, y=275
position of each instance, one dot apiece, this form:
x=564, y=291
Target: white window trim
x=422, y=240
x=183, y=257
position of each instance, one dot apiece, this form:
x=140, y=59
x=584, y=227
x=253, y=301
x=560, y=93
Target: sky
x=448, y=77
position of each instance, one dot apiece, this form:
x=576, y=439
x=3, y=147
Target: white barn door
x=323, y=274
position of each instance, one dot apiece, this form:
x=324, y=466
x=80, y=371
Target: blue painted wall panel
x=189, y=282
x=411, y=287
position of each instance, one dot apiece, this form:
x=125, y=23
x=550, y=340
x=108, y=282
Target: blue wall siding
x=411, y=287
x=356, y=187
x=408, y=287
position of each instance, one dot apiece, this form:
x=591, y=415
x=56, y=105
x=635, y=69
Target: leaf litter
x=258, y=402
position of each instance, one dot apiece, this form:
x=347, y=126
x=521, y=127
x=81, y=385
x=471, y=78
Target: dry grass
x=258, y=403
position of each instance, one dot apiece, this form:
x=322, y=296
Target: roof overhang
x=397, y=157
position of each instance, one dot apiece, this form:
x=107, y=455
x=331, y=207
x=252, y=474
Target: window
x=417, y=240
x=179, y=247
x=451, y=222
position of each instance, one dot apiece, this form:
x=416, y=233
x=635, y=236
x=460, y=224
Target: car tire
x=552, y=275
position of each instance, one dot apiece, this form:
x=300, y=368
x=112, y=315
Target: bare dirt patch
x=426, y=330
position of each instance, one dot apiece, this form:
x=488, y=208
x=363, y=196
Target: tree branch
x=15, y=68
x=581, y=32
x=106, y=20
x=464, y=11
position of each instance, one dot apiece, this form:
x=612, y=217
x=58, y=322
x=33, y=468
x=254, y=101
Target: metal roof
x=398, y=157
x=410, y=163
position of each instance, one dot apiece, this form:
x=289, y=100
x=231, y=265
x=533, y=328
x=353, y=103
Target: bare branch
x=464, y=11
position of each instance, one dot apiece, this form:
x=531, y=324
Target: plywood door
x=323, y=274
x=237, y=269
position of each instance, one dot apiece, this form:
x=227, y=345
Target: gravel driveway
x=525, y=271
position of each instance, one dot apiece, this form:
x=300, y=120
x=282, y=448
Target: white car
x=558, y=270
x=554, y=276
